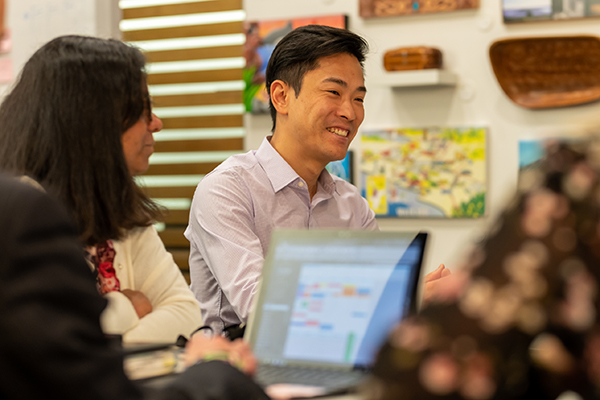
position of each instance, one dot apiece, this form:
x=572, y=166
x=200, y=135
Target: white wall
x=464, y=38
x=35, y=22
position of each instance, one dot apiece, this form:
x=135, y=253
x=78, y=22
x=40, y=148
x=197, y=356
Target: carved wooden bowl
x=548, y=72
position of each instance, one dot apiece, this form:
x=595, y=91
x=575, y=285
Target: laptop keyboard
x=269, y=374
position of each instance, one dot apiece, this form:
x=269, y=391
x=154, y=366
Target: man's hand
x=140, y=302
x=433, y=281
x=236, y=353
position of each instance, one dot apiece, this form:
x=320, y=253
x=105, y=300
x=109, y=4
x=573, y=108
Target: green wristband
x=216, y=355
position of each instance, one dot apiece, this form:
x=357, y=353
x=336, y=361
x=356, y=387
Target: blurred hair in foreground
x=520, y=320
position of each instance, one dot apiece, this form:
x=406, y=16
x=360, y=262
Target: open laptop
x=328, y=300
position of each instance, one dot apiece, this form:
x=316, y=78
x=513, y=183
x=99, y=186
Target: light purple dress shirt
x=235, y=209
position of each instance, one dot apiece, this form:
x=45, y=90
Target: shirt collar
x=327, y=182
x=277, y=169
x=280, y=173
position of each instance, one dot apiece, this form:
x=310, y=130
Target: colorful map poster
x=425, y=172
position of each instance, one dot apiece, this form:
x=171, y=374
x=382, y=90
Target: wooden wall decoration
x=547, y=72
x=389, y=8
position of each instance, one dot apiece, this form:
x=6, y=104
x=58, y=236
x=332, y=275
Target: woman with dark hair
x=79, y=122
x=52, y=346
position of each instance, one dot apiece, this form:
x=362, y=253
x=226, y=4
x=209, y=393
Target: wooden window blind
x=195, y=61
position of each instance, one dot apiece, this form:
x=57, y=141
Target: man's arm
x=222, y=229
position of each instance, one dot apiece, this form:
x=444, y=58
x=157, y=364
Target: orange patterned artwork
x=389, y=8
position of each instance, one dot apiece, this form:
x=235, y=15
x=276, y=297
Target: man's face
x=329, y=109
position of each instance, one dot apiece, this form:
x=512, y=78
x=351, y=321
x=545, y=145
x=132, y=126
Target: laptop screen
x=331, y=297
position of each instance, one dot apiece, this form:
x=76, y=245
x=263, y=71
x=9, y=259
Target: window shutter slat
x=182, y=169
x=225, y=28
x=195, y=79
x=195, y=76
x=183, y=8
x=177, y=217
x=203, y=122
x=200, y=145
x=170, y=192
x=194, y=54
x=174, y=236
x=199, y=99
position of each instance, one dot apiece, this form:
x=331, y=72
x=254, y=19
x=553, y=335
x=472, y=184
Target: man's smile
x=339, y=131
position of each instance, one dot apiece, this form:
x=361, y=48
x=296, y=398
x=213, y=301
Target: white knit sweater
x=142, y=263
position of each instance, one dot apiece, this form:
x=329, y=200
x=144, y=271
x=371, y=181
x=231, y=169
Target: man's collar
x=327, y=181
x=279, y=172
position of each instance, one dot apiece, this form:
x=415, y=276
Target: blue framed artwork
x=530, y=151
x=545, y=10
x=342, y=168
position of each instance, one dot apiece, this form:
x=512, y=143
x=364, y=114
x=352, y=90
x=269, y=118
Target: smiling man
x=316, y=84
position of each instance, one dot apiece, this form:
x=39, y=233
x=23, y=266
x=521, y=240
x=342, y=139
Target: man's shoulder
x=239, y=167
x=237, y=162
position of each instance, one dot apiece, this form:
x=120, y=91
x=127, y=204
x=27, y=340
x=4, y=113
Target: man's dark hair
x=62, y=125
x=300, y=50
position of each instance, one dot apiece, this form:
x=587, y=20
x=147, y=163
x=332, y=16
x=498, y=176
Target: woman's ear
x=280, y=92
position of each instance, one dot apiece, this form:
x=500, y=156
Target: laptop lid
x=329, y=298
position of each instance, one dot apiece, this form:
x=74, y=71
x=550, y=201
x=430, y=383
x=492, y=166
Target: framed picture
x=390, y=8
x=261, y=38
x=343, y=168
x=543, y=10
x=425, y=172
x=530, y=152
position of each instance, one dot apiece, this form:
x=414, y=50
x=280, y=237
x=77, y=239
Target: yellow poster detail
x=377, y=194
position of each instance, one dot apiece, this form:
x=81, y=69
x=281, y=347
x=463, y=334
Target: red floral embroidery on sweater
x=106, y=278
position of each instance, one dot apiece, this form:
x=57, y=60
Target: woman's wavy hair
x=62, y=125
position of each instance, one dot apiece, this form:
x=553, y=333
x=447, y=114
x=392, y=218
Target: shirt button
x=301, y=184
x=120, y=266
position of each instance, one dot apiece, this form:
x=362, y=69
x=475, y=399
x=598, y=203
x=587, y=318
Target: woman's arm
x=150, y=269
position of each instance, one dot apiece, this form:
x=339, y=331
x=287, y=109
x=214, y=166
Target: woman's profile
x=79, y=122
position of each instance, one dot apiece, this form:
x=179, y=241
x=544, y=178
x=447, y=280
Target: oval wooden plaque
x=548, y=72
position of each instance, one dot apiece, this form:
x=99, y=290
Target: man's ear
x=280, y=95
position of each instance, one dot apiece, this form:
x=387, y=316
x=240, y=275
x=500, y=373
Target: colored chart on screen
x=332, y=310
